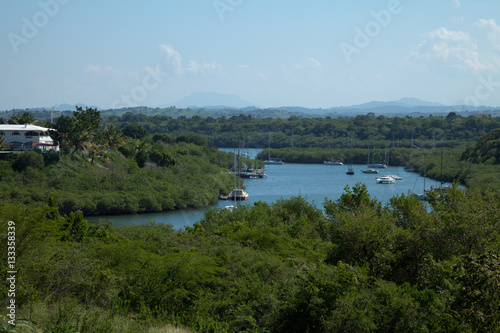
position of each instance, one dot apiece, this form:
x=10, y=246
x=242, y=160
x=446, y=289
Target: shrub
x=28, y=159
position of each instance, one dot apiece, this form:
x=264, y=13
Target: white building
x=27, y=137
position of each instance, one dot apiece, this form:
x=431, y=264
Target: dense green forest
x=357, y=132
x=282, y=267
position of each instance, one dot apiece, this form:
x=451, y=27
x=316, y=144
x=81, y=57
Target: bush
x=192, y=138
x=51, y=159
x=166, y=138
x=135, y=131
x=28, y=159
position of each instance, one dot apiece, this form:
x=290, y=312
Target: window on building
x=16, y=133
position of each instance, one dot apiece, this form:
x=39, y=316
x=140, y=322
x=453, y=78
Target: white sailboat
x=272, y=161
x=385, y=179
x=237, y=194
x=331, y=161
x=350, y=170
x=423, y=195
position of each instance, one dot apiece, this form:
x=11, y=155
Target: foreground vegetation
x=286, y=267
x=356, y=266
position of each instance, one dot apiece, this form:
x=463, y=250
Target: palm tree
x=21, y=119
x=113, y=137
x=94, y=150
x=2, y=141
x=79, y=137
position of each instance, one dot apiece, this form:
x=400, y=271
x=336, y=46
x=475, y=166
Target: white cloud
x=312, y=63
x=456, y=49
x=457, y=3
x=173, y=58
x=96, y=69
x=309, y=63
x=174, y=61
x=202, y=68
x=494, y=34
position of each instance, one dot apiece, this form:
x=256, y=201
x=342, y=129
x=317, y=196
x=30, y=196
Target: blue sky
x=318, y=53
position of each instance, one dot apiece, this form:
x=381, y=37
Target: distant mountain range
x=216, y=104
x=403, y=102
x=209, y=101
x=217, y=101
x=70, y=107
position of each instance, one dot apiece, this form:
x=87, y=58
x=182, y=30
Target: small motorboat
x=385, y=180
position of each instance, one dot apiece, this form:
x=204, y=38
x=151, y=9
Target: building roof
x=24, y=127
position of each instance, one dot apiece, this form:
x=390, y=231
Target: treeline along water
x=315, y=182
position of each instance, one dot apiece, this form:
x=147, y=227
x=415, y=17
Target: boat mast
x=234, y=172
x=425, y=170
x=239, y=166
x=386, y=159
x=441, y=180
x=269, y=149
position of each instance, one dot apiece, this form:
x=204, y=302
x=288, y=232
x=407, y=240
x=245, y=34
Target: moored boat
x=423, y=196
x=237, y=195
x=336, y=162
x=385, y=180
x=274, y=161
x=373, y=171
x=377, y=164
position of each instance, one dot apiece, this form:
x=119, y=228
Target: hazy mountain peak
x=411, y=101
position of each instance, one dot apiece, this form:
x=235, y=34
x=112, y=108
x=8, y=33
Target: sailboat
x=423, y=195
x=385, y=179
x=244, y=152
x=272, y=161
x=375, y=164
x=371, y=170
x=350, y=170
x=237, y=194
x=331, y=161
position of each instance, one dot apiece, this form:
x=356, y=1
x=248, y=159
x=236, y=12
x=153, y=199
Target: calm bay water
x=315, y=182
